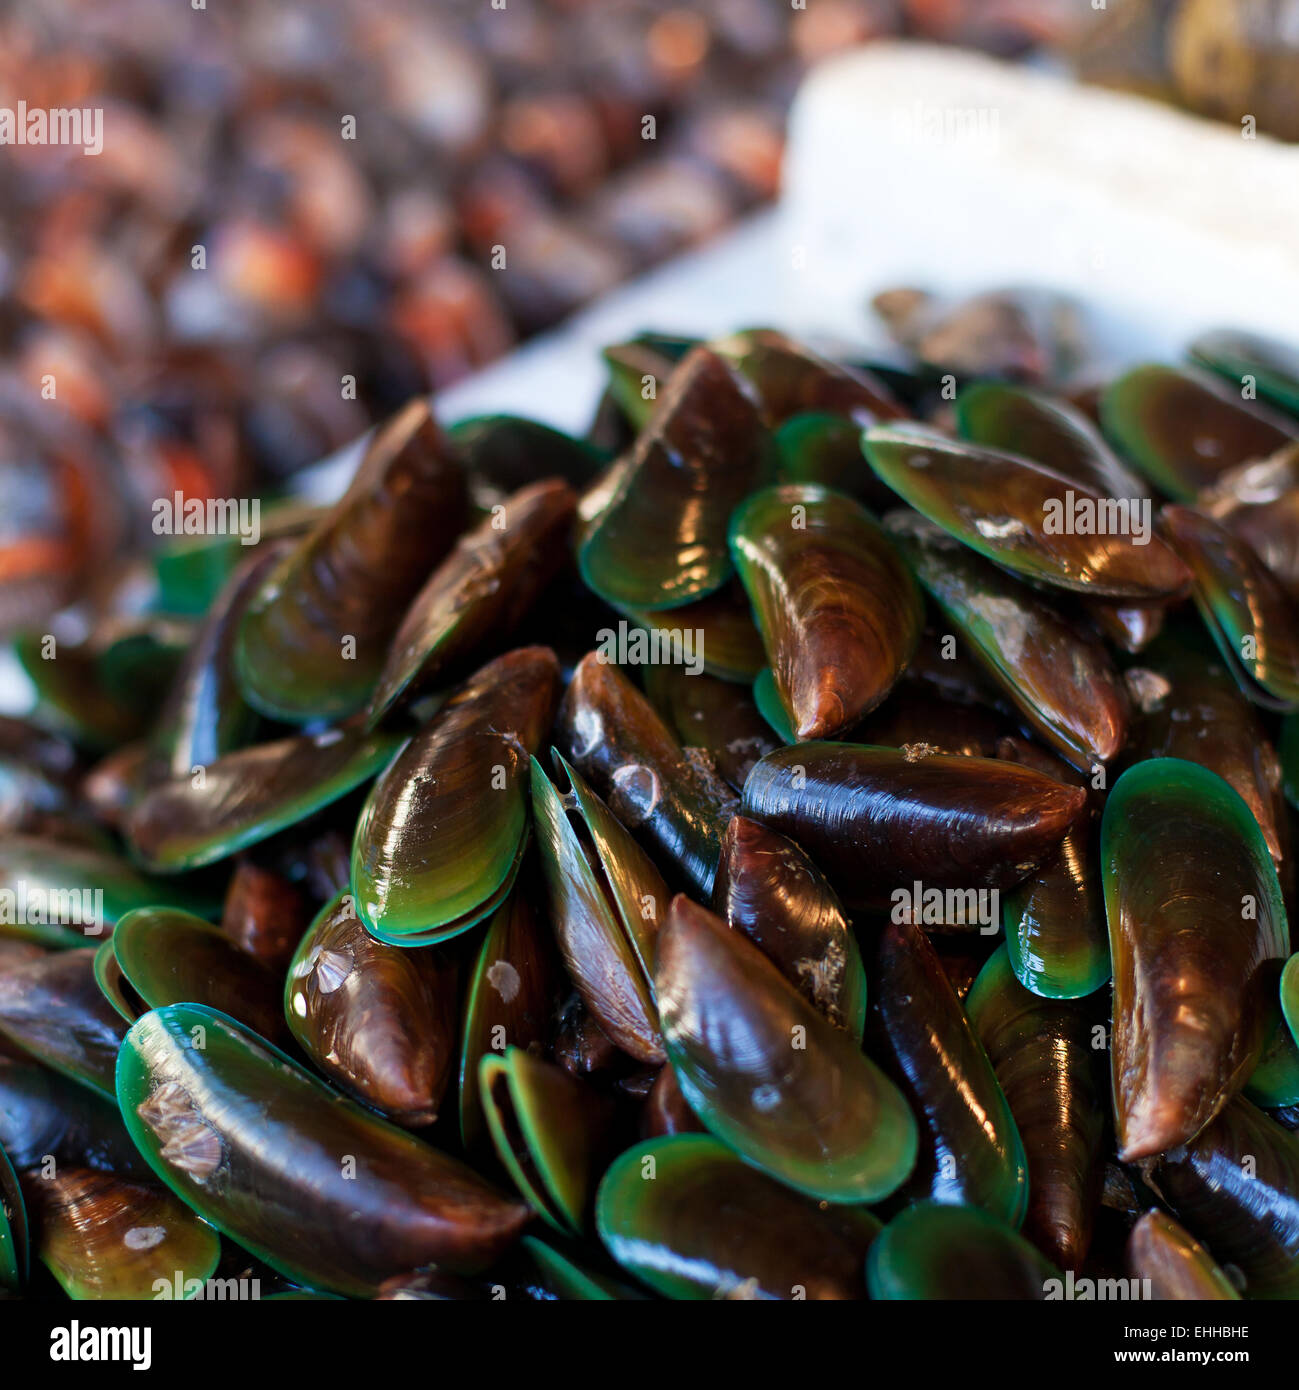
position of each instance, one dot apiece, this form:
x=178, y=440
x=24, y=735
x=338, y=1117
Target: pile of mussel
x=824, y=834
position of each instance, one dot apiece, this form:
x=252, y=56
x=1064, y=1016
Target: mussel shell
x=970, y=1147
x=838, y=610
x=1007, y=507
x=917, y=717
x=1055, y=923
x=937, y=1251
x=503, y=453
x=672, y=800
x=552, y=1133
x=1184, y=428
x=352, y=576
x=1235, y=354
x=1250, y=616
x=1019, y=420
x=510, y=1001
x=711, y=714
x=606, y=901
x=378, y=1021
x=1191, y=708
x=104, y=1237
x=1172, y=1263
x=877, y=820
x=52, y=1008
x=770, y=1076
x=170, y=957
x=566, y=1277
x=1259, y=503
x=323, y=1191
x=771, y=891
x=45, y=1116
x=1197, y=935
x=63, y=874
x=1060, y=678
x=1236, y=1187
x=482, y=589
x=1043, y=1053
x=790, y=378
x=816, y=447
x=249, y=795
x=205, y=715
x=692, y=1221
x=660, y=539
x=442, y=833
x=264, y=914
x=15, y=1250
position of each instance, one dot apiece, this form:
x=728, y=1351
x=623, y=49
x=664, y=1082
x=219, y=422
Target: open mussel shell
x=442, y=834
x=1019, y=420
x=671, y=799
x=1235, y=1186
x=1183, y=428
x=1048, y=528
x=552, y=1134
x=937, y=1251
x=659, y=541
x=510, y=1002
x=249, y=795
x=768, y=1074
x=323, y=1191
x=503, y=453
x=313, y=638
x=1271, y=366
x=481, y=590
x=106, y=1237
x=52, y=1008
x=790, y=378
x=1250, y=616
x=1043, y=1052
x=970, y=1147
x=878, y=820
x=379, y=1021
x=1060, y=677
x=164, y=956
x=839, y=613
x=65, y=895
x=1189, y=706
x=15, y=1246
x=692, y=1221
x=1172, y=1264
x=606, y=902
x=711, y=714
x=1197, y=936
x=205, y=714
x=771, y=891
